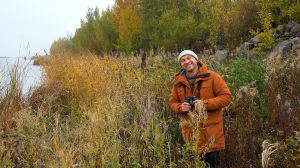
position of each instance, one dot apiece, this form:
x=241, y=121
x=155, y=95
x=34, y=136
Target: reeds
x=11, y=102
x=10, y=93
x=113, y=112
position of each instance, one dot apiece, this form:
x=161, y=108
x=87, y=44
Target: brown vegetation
x=113, y=112
x=40, y=59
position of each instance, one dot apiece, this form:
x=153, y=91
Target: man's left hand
x=199, y=102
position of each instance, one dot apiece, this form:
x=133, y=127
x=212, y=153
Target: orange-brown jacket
x=215, y=95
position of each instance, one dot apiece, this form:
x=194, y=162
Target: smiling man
x=195, y=84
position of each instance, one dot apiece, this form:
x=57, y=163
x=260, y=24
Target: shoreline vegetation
x=40, y=59
x=67, y=121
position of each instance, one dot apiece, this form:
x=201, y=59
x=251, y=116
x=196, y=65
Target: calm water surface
x=31, y=74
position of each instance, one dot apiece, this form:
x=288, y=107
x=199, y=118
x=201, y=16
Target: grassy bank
x=114, y=112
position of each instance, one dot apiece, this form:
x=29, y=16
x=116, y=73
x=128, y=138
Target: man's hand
x=185, y=107
x=199, y=102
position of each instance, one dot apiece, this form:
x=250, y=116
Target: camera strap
x=199, y=87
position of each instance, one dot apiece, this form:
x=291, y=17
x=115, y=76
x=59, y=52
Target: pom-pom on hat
x=187, y=52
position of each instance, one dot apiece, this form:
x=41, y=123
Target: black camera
x=190, y=100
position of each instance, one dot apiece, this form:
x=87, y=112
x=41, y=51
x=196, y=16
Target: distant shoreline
x=10, y=57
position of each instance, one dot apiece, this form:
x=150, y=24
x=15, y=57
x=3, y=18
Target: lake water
x=31, y=74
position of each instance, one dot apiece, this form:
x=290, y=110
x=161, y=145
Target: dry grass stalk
x=196, y=123
x=268, y=149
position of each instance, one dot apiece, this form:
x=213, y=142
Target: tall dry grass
x=10, y=92
x=93, y=111
x=11, y=101
x=271, y=116
x=110, y=111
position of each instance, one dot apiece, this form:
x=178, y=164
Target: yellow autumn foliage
x=88, y=78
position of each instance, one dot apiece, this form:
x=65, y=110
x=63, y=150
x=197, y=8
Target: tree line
x=132, y=25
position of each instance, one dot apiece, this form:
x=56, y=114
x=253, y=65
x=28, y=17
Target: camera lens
x=189, y=100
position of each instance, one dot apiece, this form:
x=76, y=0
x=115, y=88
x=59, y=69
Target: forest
x=134, y=25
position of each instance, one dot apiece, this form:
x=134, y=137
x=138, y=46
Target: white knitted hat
x=187, y=52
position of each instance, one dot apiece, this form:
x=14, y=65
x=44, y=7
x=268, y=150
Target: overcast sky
x=28, y=27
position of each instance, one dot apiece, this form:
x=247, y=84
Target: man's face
x=188, y=63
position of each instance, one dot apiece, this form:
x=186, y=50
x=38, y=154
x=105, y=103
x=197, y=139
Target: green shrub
x=242, y=71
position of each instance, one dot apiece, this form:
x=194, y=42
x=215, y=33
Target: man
x=195, y=80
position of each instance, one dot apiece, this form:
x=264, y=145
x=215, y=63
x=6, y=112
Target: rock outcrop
x=291, y=30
